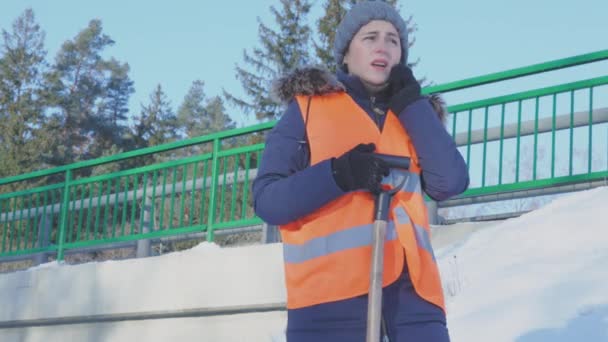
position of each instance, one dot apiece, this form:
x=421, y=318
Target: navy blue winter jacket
x=287, y=187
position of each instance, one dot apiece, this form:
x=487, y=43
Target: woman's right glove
x=359, y=169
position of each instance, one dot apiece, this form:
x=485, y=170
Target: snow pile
x=539, y=277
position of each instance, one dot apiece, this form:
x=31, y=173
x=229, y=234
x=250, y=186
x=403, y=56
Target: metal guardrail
x=138, y=316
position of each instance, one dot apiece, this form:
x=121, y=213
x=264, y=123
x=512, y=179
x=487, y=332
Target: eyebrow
x=376, y=32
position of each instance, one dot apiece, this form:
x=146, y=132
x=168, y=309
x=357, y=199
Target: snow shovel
x=382, y=206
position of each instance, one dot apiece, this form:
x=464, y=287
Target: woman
x=318, y=177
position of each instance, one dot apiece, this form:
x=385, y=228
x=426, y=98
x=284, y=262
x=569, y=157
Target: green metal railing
x=204, y=193
x=589, y=122
x=521, y=141
x=583, y=117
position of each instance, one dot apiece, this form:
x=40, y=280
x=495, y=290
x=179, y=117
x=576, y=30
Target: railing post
x=143, y=245
x=44, y=235
x=270, y=233
x=64, y=214
x=432, y=212
x=213, y=189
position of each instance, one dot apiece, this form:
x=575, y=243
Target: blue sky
x=176, y=42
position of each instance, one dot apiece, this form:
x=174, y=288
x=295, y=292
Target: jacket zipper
x=377, y=111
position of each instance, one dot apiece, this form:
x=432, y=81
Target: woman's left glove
x=404, y=88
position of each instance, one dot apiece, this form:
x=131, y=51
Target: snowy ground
x=537, y=278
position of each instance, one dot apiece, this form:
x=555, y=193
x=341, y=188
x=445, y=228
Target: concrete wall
x=184, y=296
x=199, y=281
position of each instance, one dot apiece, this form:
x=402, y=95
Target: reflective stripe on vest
x=422, y=236
x=362, y=235
x=336, y=242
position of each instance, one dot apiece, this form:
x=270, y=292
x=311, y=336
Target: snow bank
x=533, y=276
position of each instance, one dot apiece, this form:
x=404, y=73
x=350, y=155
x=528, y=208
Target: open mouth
x=379, y=64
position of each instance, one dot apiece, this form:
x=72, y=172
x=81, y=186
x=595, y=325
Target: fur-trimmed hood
x=313, y=80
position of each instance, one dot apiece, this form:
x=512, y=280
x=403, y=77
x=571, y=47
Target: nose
x=381, y=45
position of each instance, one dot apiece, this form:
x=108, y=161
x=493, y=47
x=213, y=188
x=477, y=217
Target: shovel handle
x=394, y=162
x=374, y=301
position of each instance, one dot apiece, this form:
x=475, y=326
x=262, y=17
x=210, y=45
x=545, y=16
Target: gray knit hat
x=359, y=15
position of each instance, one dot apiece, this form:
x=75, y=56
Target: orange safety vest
x=327, y=254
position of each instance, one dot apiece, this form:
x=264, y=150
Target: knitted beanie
x=359, y=15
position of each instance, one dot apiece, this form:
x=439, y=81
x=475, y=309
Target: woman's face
x=373, y=51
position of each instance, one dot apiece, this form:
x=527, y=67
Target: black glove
x=404, y=88
x=359, y=169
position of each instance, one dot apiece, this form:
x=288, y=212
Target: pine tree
x=326, y=27
x=111, y=116
x=90, y=96
x=217, y=119
x=22, y=64
x=198, y=115
x=280, y=51
x=157, y=123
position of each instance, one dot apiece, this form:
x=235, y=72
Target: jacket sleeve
x=444, y=171
x=286, y=187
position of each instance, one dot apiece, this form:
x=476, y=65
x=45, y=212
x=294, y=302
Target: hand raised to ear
x=404, y=88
